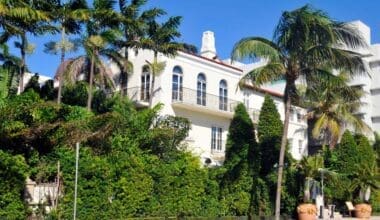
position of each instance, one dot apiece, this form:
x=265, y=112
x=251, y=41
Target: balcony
x=138, y=95
x=194, y=100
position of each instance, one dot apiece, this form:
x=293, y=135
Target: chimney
x=208, y=45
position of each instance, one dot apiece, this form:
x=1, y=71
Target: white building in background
x=370, y=111
x=205, y=90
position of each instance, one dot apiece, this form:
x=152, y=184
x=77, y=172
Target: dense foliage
x=269, y=131
x=241, y=164
x=13, y=172
x=132, y=163
x=354, y=161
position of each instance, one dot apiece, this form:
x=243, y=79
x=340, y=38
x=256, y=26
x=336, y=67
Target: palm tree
x=365, y=180
x=332, y=106
x=310, y=169
x=68, y=16
x=100, y=33
x=19, y=18
x=134, y=24
x=161, y=40
x=305, y=40
x=8, y=71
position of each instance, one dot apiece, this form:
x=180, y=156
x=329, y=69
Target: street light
x=76, y=180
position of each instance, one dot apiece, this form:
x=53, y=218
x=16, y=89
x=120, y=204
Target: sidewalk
x=372, y=218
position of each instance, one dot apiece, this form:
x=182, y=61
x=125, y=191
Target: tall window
x=223, y=95
x=246, y=99
x=216, y=139
x=145, y=84
x=299, y=117
x=201, y=89
x=177, y=84
x=300, y=146
x=292, y=112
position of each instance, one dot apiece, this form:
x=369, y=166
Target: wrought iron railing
x=194, y=97
x=138, y=94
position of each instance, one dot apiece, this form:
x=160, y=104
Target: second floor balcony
x=201, y=101
x=139, y=95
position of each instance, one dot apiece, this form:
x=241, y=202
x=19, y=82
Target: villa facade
x=205, y=90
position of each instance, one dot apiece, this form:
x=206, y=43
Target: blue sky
x=231, y=21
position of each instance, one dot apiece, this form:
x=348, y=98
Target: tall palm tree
x=161, y=40
x=68, y=16
x=8, y=71
x=332, y=105
x=134, y=24
x=101, y=31
x=18, y=19
x=305, y=40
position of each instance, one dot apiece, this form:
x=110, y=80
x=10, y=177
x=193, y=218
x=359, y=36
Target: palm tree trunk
x=287, y=101
x=153, y=79
x=60, y=79
x=22, y=66
x=124, y=75
x=89, y=98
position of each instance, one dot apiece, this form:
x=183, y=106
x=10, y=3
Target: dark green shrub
x=75, y=94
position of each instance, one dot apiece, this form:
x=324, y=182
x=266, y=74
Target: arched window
x=223, y=95
x=177, y=84
x=145, y=84
x=201, y=89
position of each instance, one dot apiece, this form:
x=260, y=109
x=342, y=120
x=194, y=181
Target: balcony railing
x=137, y=94
x=198, y=98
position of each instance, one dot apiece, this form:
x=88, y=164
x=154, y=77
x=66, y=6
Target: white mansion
x=205, y=90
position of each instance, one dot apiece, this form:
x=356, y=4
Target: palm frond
x=349, y=36
x=270, y=72
x=156, y=67
x=255, y=47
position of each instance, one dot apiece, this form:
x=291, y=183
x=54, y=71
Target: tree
x=47, y=90
x=13, y=172
x=366, y=151
x=134, y=25
x=347, y=155
x=8, y=72
x=160, y=40
x=75, y=94
x=33, y=84
x=19, y=19
x=304, y=42
x=376, y=147
x=332, y=106
x=269, y=131
x=100, y=32
x=68, y=16
x=242, y=162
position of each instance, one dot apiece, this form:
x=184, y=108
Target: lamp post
x=76, y=181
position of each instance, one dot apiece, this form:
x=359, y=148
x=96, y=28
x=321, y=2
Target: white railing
x=137, y=94
x=194, y=97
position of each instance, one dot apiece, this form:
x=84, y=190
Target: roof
x=213, y=61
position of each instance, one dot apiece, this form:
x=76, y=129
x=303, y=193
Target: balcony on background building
x=138, y=95
x=218, y=153
x=203, y=102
